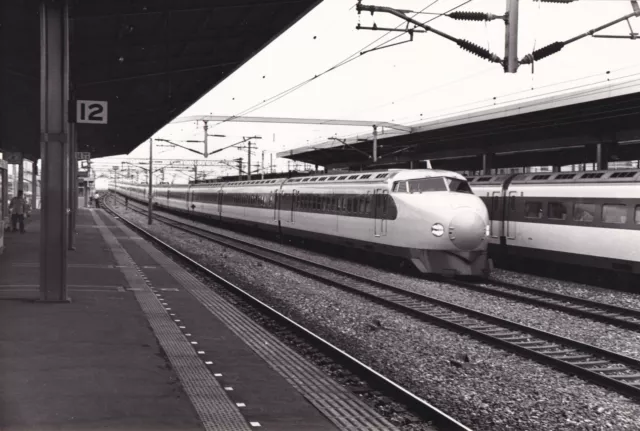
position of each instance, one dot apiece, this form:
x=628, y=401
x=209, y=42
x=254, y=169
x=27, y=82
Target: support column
x=602, y=157
x=73, y=186
x=21, y=175
x=487, y=163
x=34, y=185
x=555, y=168
x=150, y=203
x=54, y=149
x=4, y=193
x=375, y=143
x=87, y=185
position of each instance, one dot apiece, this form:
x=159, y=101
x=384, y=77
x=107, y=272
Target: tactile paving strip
x=339, y=405
x=217, y=412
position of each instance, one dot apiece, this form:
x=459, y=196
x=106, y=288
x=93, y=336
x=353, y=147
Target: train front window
x=427, y=185
x=459, y=186
x=437, y=184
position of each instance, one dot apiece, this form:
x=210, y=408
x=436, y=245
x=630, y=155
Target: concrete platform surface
x=145, y=346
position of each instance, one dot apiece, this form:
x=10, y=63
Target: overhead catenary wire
x=347, y=60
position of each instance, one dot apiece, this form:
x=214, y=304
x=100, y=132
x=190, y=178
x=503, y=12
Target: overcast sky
x=408, y=83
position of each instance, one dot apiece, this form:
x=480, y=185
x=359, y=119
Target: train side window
x=557, y=211
x=614, y=213
x=533, y=209
x=584, y=212
x=637, y=214
x=512, y=202
x=362, y=204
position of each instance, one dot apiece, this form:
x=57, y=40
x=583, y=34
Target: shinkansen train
x=429, y=217
x=591, y=219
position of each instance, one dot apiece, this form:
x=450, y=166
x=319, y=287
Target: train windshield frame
x=432, y=184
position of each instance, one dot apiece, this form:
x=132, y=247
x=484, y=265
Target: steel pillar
x=150, y=204
x=375, y=143
x=602, y=157
x=487, y=163
x=511, y=37
x=34, y=185
x=555, y=168
x=20, y=175
x=4, y=193
x=54, y=149
x=73, y=186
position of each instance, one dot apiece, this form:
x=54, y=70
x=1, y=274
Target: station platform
x=144, y=345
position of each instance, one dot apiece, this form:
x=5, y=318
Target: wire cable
x=347, y=60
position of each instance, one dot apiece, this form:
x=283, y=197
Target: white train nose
x=467, y=230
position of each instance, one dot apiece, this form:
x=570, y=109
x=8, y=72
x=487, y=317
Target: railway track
x=423, y=408
x=622, y=317
x=606, y=368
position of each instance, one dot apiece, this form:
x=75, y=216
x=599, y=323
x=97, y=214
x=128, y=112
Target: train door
x=295, y=198
x=190, y=201
x=380, y=202
x=496, y=213
x=220, y=198
x=273, y=199
x=510, y=215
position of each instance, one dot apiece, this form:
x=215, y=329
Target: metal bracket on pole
x=464, y=44
x=555, y=47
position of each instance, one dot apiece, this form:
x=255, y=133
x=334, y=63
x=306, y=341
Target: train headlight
x=437, y=230
x=487, y=230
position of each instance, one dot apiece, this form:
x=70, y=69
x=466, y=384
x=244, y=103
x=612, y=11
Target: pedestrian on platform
x=18, y=208
x=96, y=200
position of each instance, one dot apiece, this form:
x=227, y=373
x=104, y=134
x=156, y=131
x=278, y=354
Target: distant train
x=429, y=217
x=591, y=219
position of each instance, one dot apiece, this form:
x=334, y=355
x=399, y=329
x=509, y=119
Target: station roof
x=150, y=59
x=604, y=114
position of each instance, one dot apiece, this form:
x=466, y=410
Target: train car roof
x=347, y=177
x=611, y=176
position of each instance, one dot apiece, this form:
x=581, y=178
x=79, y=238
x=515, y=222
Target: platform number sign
x=91, y=111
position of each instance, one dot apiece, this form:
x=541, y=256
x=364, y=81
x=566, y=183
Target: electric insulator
x=471, y=16
x=541, y=53
x=478, y=50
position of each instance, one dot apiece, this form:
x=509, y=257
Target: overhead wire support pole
x=511, y=37
x=555, y=47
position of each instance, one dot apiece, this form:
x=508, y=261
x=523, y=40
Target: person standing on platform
x=96, y=200
x=18, y=207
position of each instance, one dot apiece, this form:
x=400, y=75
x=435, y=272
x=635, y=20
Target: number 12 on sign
x=91, y=111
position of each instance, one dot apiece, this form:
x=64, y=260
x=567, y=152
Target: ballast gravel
x=593, y=293
x=605, y=336
x=494, y=391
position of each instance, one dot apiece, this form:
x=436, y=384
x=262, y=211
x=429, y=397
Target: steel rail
x=426, y=410
x=590, y=362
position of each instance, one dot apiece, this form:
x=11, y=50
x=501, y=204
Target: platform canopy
x=150, y=60
x=553, y=129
